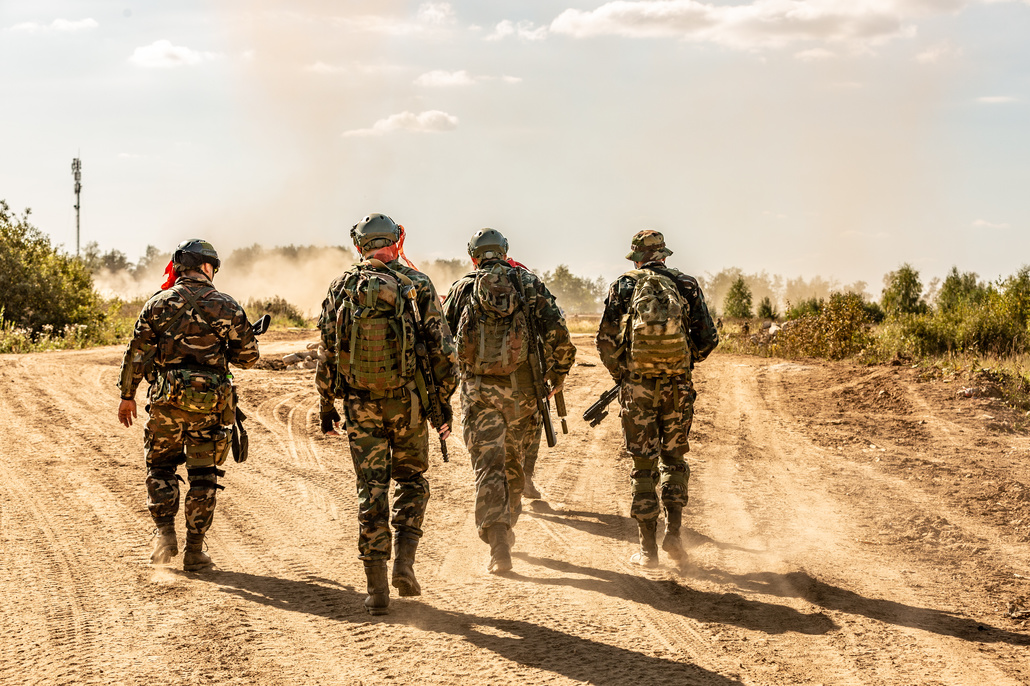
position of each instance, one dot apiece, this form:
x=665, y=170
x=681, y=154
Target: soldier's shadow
x=670, y=596
x=574, y=657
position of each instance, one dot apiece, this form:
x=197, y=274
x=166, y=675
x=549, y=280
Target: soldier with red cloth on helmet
x=487, y=310
x=188, y=333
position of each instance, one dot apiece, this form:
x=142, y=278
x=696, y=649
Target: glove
x=448, y=414
x=329, y=419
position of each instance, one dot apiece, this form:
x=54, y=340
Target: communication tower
x=77, y=174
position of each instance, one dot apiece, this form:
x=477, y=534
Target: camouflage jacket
x=559, y=352
x=210, y=339
x=611, y=332
x=434, y=332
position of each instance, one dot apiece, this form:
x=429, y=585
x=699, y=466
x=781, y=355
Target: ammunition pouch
x=211, y=453
x=193, y=390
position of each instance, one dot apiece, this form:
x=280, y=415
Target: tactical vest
x=375, y=335
x=492, y=335
x=656, y=328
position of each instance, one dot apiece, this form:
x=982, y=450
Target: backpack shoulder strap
x=669, y=275
x=191, y=301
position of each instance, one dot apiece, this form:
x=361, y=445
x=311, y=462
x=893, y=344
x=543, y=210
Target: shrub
x=283, y=314
x=42, y=290
x=902, y=292
x=841, y=329
x=766, y=310
x=811, y=307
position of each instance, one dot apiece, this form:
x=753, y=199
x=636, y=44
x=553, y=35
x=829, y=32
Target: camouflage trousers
x=199, y=440
x=656, y=417
x=500, y=425
x=387, y=443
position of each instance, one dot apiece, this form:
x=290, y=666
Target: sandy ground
x=847, y=525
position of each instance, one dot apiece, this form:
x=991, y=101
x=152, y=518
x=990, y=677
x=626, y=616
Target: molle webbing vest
x=375, y=335
x=492, y=335
x=656, y=328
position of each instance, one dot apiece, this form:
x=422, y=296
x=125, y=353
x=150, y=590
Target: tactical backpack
x=375, y=337
x=492, y=335
x=656, y=330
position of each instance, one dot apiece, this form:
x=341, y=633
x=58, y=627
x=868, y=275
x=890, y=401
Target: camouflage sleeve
x=611, y=330
x=442, y=353
x=703, y=335
x=559, y=351
x=143, y=341
x=454, y=303
x=241, y=342
x=325, y=371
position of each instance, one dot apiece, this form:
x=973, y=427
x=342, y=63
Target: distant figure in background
x=183, y=342
x=654, y=327
x=369, y=335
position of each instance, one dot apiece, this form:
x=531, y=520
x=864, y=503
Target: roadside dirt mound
x=847, y=525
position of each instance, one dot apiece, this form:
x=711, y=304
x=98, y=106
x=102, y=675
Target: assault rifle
x=599, y=410
x=536, y=362
x=434, y=406
x=261, y=325
x=239, y=441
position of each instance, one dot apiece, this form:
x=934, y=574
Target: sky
x=838, y=138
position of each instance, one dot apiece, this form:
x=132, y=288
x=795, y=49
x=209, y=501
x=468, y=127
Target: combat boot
x=672, y=543
x=647, y=556
x=530, y=490
x=500, y=549
x=378, y=600
x=195, y=559
x=165, y=545
x=404, y=546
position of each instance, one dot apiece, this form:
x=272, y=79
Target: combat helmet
x=487, y=244
x=648, y=245
x=375, y=231
x=194, y=252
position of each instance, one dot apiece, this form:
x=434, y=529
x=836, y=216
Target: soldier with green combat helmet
x=654, y=328
x=378, y=319
x=495, y=311
x=183, y=342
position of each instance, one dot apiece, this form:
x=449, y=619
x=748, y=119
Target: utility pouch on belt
x=197, y=391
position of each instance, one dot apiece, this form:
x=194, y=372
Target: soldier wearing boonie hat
x=654, y=328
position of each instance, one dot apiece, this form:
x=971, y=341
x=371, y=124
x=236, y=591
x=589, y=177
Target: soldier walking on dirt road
x=371, y=337
x=183, y=342
x=489, y=311
x=654, y=327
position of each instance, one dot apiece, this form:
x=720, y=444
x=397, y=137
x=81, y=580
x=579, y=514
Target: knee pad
x=643, y=485
x=678, y=478
x=646, y=464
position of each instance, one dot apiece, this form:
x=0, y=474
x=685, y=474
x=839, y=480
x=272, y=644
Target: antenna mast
x=77, y=173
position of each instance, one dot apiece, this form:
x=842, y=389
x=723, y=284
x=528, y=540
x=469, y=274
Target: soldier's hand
x=444, y=431
x=126, y=411
x=554, y=390
x=330, y=422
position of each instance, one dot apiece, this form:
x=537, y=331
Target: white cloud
x=936, y=53
x=429, y=16
x=444, y=79
x=984, y=224
x=997, y=99
x=161, y=54
x=512, y=79
x=323, y=68
x=57, y=25
x=756, y=24
x=524, y=30
x=814, y=55
x=432, y=121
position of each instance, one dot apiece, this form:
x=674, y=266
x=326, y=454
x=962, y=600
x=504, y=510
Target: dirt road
x=848, y=525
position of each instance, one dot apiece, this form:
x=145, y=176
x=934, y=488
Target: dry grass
x=583, y=323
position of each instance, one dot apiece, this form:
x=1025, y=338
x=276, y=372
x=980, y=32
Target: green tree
x=738, y=300
x=903, y=292
x=40, y=286
x=959, y=289
x=766, y=309
x=113, y=260
x=574, y=293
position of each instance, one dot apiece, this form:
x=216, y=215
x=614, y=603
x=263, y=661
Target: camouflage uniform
x=387, y=434
x=499, y=415
x=170, y=336
x=656, y=411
